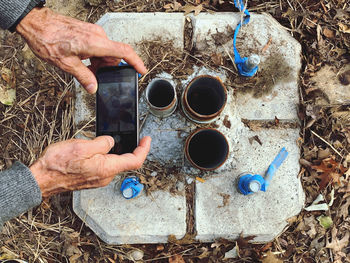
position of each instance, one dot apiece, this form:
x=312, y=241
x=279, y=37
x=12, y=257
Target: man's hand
x=77, y=164
x=65, y=41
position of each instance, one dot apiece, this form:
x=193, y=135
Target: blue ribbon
x=239, y=61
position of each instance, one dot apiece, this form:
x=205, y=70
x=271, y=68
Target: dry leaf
x=225, y=199
x=318, y=31
x=337, y=245
x=176, y=259
x=7, y=96
x=344, y=28
x=325, y=221
x=191, y=8
x=173, y=6
x=271, y=258
x=204, y=254
x=328, y=33
x=217, y=59
x=331, y=171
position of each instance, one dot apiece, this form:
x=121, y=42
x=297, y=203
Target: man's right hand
x=65, y=41
x=78, y=164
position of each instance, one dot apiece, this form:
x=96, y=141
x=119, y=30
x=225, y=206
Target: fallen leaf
x=344, y=28
x=160, y=247
x=328, y=33
x=244, y=241
x=271, y=258
x=176, y=259
x=191, y=8
x=231, y=253
x=7, y=87
x=205, y=253
x=254, y=138
x=173, y=6
x=225, y=199
x=7, y=96
x=217, y=59
x=331, y=171
x=187, y=239
x=344, y=78
x=318, y=31
x=338, y=244
x=325, y=221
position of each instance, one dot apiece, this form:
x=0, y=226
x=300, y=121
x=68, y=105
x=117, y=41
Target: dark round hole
x=206, y=96
x=208, y=149
x=161, y=93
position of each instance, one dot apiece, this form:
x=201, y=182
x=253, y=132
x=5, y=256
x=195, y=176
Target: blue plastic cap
x=131, y=187
x=249, y=184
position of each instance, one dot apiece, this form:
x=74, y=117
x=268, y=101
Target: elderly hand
x=64, y=42
x=77, y=164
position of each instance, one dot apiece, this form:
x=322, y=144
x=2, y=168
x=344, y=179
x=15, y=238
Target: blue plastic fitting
x=131, y=187
x=249, y=184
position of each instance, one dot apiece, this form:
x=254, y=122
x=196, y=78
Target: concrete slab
x=132, y=28
x=151, y=219
x=169, y=134
x=276, y=93
x=262, y=214
x=145, y=219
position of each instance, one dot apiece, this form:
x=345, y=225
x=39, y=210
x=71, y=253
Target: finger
x=97, y=63
x=107, y=48
x=128, y=161
x=99, y=145
x=83, y=74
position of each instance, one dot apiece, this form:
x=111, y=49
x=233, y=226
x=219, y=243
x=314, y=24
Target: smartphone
x=117, y=107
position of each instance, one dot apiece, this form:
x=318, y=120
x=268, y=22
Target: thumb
x=84, y=75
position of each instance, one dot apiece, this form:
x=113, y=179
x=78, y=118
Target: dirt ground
x=53, y=233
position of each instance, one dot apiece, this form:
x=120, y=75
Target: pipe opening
x=206, y=96
x=160, y=93
x=207, y=149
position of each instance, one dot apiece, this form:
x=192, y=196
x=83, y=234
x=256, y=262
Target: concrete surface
x=169, y=134
x=280, y=56
x=145, y=219
x=262, y=214
x=132, y=28
x=151, y=219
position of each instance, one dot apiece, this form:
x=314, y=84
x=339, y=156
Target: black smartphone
x=117, y=107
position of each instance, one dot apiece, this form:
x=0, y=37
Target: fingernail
x=110, y=141
x=91, y=88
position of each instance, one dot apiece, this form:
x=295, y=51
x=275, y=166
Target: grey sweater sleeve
x=10, y=11
x=19, y=192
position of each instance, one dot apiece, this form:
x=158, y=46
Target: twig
x=160, y=62
x=318, y=136
x=82, y=128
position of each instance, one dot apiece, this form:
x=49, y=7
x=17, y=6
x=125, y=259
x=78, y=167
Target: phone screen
x=116, y=112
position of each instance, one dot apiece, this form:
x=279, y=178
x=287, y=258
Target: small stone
x=231, y=254
x=189, y=180
x=136, y=255
x=154, y=174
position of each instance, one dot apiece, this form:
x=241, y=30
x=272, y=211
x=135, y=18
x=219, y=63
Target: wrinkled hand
x=65, y=41
x=78, y=164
